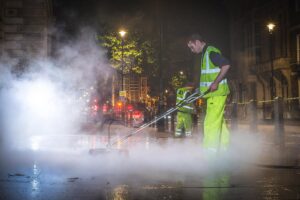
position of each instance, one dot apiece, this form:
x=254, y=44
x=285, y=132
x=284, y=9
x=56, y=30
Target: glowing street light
x=271, y=27
x=181, y=72
x=122, y=34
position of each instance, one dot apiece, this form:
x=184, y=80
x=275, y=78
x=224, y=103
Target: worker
x=211, y=76
x=184, y=112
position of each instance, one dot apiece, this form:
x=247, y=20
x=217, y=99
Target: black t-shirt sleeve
x=218, y=60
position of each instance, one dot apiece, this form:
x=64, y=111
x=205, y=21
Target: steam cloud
x=44, y=99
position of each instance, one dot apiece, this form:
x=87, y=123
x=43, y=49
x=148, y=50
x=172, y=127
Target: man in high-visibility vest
x=184, y=112
x=211, y=76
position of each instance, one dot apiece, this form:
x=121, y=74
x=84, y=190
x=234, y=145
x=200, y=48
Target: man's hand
x=220, y=77
x=213, y=87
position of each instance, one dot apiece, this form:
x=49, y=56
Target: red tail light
x=104, y=108
x=129, y=107
x=136, y=115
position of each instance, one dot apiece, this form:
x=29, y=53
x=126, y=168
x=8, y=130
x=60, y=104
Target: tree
x=138, y=53
x=178, y=80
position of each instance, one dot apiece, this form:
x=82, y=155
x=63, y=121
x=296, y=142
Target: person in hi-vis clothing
x=184, y=113
x=211, y=76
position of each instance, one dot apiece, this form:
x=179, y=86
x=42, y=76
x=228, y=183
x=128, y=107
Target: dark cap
x=195, y=37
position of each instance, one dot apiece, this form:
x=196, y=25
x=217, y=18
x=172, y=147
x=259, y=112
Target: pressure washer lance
x=190, y=99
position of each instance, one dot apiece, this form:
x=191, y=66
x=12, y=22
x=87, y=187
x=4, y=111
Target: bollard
x=126, y=118
x=234, y=116
x=278, y=121
x=160, y=124
x=130, y=119
x=253, y=107
x=123, y=117
x=253, y=115
x=173, y=115
x=152, y=115
x=195, y=124
x=166, y=122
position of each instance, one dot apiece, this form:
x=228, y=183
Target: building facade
x=24, y=29
x=135, y=88
x=267, y=62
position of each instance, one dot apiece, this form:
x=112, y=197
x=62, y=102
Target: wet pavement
x=156, y=167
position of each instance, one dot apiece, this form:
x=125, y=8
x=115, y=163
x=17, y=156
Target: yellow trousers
x=184, y=122
x=216, y=133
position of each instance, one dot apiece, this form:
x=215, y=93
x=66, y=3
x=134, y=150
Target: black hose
x=278, y=166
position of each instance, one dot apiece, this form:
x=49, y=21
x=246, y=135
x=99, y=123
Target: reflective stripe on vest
x=207, y=84
x=181, y=96
x=209, y=72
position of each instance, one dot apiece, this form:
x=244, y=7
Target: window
x=258, y=55
x=11, y=12
x=297, y=5
x=257, y=42
x=298, y=48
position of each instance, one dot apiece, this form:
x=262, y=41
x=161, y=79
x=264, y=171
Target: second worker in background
x=184, y=113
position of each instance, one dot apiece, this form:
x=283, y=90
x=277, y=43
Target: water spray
x=190, y=99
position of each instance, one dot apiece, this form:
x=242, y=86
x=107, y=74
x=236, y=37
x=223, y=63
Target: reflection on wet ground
x=62, y=168
x=261, y=184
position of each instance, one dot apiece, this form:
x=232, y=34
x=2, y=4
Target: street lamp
x=122, y=34
x=271, y=27
x=122, y=96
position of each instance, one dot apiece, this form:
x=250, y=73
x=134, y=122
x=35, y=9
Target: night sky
x=178, y=18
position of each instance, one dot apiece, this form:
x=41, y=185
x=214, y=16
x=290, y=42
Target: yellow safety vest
x=209, y=73
x=180, y=97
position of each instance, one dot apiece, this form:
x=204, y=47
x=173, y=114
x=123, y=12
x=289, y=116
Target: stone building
x=135, y=88
x=264, y=61
x=24, y=29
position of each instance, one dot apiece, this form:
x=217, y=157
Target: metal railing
x=264, y=109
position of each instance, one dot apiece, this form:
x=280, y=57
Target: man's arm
x=224, y=65
x=220, y=77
